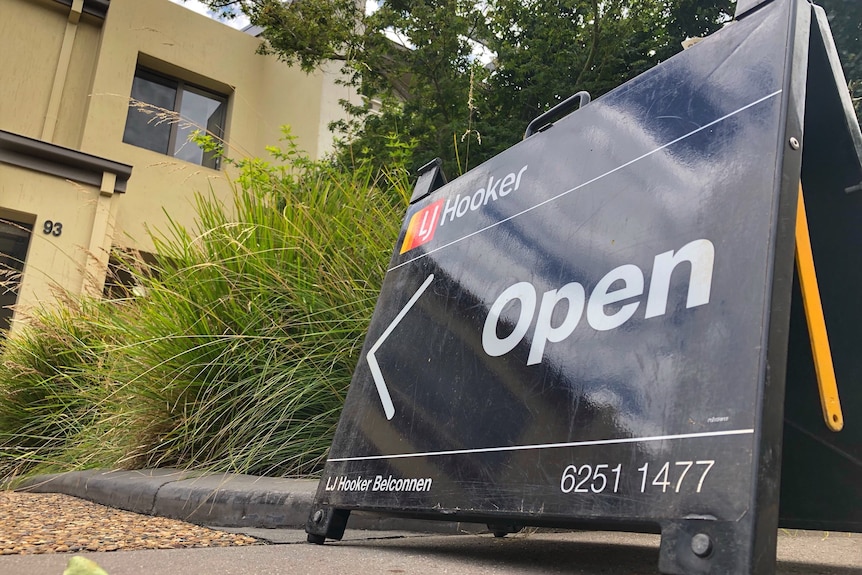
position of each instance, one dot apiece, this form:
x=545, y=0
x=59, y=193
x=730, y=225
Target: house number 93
x=52, y=228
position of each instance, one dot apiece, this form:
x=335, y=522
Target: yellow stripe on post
x=816, y=322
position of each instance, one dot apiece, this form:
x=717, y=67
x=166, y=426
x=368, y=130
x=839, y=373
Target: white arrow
x=385, y=398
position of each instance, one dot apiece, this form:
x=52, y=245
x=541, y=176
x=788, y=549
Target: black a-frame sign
x=596, y=328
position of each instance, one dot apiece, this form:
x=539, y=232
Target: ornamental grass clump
x=252, y=330
x=56, y=389
x=238, y=355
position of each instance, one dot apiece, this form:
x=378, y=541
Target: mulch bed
x=33, y=523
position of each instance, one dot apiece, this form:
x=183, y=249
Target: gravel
x=33, y=523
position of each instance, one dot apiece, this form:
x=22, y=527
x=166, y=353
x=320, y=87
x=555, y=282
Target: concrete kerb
x=220, y=500
x=231, y=500
x=216, y=500
x=129, y=490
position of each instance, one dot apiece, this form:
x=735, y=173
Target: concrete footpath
x=361, y=553
x=274, y=510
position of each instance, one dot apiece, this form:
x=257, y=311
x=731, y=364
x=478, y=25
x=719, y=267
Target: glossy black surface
x=666, y=409
x=821, y=479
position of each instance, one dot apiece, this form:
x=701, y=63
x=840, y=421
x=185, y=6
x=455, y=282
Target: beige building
x=82, y=171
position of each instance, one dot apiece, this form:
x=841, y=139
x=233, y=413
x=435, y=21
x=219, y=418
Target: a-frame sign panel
x=592, y=326
x=821, y=478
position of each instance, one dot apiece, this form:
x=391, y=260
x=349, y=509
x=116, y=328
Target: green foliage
x=56, y=387
x=556, y=49
x=559, y=48
x=845, y=19
x=432, y=89
x=82, y=566
x=253, y=327
x=692, y=18
x=423, y=89
x=239, y=356
x=305, y=33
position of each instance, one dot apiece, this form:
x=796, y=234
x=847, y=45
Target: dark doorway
x=14, y=241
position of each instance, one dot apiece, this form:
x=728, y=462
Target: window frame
x=180, y=86
x=12, y=267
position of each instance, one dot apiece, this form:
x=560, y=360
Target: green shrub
x=239, y=355
x=56, y=388
x=252, y=330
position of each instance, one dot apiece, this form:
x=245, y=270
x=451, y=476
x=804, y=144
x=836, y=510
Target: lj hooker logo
x=421, y=228
x=425, y=221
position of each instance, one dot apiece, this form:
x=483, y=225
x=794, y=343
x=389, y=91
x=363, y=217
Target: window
x=14, y=240
x=152, y=121
x=126, y=267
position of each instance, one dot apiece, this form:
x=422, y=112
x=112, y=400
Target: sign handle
x=823, y=366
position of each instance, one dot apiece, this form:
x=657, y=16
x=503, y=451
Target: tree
x=548, y=50
x=434, y=92
x=423, y=81
x=306, y=33
x=560, y=47
x=845, y=19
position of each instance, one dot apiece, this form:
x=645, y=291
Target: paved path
x=585, y=553
x=248, y=504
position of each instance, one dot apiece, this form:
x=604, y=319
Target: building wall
x=264, y=94
x=67, y=82
x=24, y=101
x=55, y=264
x=75, y=98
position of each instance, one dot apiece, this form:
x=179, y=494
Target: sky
x=201, y=8
x=241, y=21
